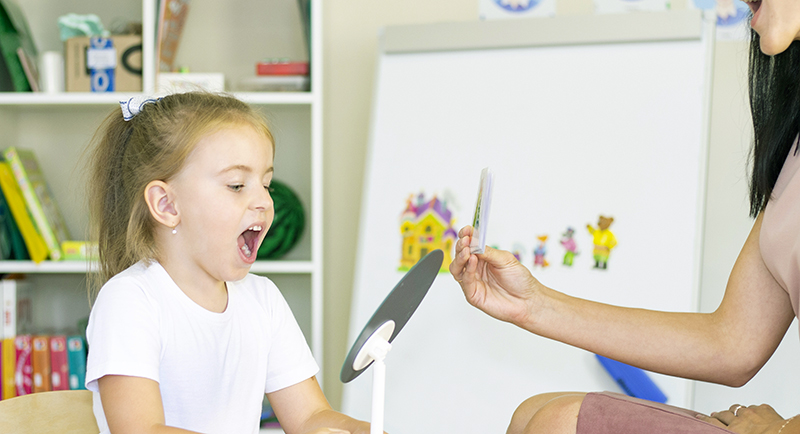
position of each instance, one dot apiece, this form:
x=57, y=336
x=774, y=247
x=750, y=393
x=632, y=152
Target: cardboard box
x=125, y=62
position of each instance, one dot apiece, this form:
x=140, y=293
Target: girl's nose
x=264, y=201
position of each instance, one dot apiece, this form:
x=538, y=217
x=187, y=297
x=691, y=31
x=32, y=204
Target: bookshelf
x=58, y=126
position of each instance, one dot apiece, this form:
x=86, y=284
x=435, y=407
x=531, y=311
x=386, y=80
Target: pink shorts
x=613, y=413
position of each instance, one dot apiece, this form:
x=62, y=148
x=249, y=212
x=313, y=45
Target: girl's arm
x=727, y=346
x=132, y=405
x=303, y=408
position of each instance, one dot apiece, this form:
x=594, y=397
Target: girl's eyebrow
x=243, y=168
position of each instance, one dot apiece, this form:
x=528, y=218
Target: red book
x=282, y=68
x=41, y=364
x=59, y=363
x=23, y=374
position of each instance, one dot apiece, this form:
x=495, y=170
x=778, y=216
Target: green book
x=38, y=199
x=15, y=34
x=12, y=245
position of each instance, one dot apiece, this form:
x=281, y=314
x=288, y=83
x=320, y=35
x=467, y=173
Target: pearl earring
x=174, y=230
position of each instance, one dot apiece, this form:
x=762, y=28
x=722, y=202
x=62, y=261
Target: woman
x=728, y=346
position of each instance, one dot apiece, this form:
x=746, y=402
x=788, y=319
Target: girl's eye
x=269, y=189
x=236, y=187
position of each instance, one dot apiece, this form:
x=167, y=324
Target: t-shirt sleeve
x=123, y=334
x=290, y=359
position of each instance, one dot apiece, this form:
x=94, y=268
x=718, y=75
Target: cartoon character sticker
x=569, y=244
x=517, y=250
x=603, y=240
x=539, y=252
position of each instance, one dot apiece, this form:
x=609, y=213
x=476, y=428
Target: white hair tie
x=133, y=106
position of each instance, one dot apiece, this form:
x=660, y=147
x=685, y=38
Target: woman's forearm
x=689, y=345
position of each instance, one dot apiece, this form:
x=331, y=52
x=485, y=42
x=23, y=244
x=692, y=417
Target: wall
x=350, y=33
x=350, y=30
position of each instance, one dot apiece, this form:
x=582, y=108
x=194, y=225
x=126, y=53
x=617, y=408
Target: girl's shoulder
x=259, y=286
x=259, y=289
x=139, y=281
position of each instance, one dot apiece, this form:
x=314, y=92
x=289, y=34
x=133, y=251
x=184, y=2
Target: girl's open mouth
x=248, y=239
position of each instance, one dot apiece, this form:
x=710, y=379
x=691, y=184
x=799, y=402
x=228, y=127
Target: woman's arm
x=303, y=408
x=727, y=346
x=132, y=405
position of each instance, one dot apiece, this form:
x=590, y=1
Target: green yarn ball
x=288, y=224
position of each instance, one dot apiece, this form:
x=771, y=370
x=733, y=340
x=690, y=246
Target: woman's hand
x=494, y=281
x=755, y=419
x=328, y=431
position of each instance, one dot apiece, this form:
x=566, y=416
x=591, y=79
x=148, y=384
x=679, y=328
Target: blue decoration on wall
x=633, y=381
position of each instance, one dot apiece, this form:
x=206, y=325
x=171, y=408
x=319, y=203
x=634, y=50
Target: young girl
x=181, y=337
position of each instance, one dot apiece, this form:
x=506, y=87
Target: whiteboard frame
x=537, y=32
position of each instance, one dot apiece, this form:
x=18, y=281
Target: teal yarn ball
x=288, y=224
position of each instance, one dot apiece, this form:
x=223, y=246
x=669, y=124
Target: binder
x=14, y=34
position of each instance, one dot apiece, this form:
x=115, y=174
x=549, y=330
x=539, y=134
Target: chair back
x=62, y=412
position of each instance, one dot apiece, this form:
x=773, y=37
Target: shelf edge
x=77, y=267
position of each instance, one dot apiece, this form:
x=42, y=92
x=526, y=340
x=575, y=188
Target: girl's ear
x=160, y=201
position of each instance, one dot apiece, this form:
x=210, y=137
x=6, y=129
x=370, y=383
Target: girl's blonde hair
x=125, y=156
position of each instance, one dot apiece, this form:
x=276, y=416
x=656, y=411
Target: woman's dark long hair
x=774, y=83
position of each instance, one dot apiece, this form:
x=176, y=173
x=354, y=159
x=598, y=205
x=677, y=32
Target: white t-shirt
x=213, y=369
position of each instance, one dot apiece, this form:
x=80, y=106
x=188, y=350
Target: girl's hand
x=494, y=281
x=755, y=419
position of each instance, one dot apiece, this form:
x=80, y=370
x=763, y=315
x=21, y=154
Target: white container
x=178, y=82
x=51, y=72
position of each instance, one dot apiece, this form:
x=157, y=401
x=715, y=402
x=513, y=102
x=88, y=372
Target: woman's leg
x=552, y=413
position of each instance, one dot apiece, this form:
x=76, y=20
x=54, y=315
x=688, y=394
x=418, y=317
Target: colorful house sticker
x=426, y=225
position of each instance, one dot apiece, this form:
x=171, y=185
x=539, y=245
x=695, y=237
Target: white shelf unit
x=58, y=126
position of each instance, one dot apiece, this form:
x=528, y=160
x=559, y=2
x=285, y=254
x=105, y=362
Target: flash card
x=480, y=220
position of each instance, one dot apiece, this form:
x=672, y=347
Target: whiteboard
x=577, y=117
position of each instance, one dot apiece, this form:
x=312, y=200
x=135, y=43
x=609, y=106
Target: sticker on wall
x=732, y=17
x=570, y=246
x=604, y=241
x=426, y=225
x=621, y=6
x=733, y=20
x=540, y=252
x=518, y=250
x=493, y=9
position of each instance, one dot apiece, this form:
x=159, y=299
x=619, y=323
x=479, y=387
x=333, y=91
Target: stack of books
x=41, y=363
x=35, y=362
x=31, y=224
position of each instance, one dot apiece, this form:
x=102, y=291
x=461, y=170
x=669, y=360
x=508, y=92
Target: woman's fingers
x=712, y=420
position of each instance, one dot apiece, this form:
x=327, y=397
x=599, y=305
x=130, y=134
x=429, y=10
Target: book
x=37, y=249
x=38, y=198
x=281, y=67
x=29, y=66
x=17, y=307
x=59, y=363
x=76, y=352
x=9, y=355
x=10, y=234
x=40, y=361
x=14, y=35
x=23, y=368
x=171, y=18
x=5, y=231
x=79, y=250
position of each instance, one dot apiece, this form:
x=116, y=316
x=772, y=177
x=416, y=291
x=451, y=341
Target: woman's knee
x=547, y=413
